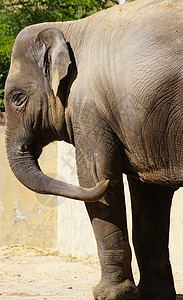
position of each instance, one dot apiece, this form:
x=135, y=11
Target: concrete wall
x=24, y=219
x=47, y=221
x=75, y=235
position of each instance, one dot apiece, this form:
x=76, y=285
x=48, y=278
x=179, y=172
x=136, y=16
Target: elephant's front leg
x=109, y=224
x=99, y=156
x=108, y=218
x=151, y=213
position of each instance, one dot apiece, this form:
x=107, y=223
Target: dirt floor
x=34, y=274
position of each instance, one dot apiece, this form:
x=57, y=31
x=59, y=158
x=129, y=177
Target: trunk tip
x=98, y=191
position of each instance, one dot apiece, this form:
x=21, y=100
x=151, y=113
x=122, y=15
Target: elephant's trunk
x=26, y=169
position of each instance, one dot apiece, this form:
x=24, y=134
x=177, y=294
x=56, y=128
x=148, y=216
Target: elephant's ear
x=53, y=56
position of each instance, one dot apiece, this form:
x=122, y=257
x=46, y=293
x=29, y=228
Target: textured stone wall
x=24, y=217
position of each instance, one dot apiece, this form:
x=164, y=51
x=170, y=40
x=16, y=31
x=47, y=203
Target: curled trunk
x=26, y=169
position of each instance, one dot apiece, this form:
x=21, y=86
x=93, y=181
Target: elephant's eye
x=19, y=98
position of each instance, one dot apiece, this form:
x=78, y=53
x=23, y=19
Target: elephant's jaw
x=26, y=169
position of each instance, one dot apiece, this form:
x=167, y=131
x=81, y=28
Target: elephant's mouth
x=28, y=148
x=24, y=164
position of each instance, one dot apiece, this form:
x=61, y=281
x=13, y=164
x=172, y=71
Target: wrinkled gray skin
x=112, y=85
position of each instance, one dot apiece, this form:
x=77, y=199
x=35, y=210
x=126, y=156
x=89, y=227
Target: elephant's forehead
x=14, y=67
x=13, y=76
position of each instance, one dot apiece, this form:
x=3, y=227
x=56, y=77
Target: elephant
x=111, y=85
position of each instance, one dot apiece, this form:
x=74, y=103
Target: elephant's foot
x=119, y=291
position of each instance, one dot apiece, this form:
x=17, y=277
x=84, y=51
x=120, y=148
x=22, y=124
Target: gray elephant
x=111, y=85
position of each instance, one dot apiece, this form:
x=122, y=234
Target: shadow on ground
x=179, y=297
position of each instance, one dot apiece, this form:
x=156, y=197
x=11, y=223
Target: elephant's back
x=150, y=47
x=137, y=11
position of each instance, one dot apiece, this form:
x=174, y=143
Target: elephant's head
x=35, y=96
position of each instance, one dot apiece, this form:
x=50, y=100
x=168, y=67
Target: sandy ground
x=30, y=273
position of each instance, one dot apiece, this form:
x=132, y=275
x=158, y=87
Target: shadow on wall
x=179, y=297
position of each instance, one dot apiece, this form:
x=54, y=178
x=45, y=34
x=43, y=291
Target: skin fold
x=112, y=86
